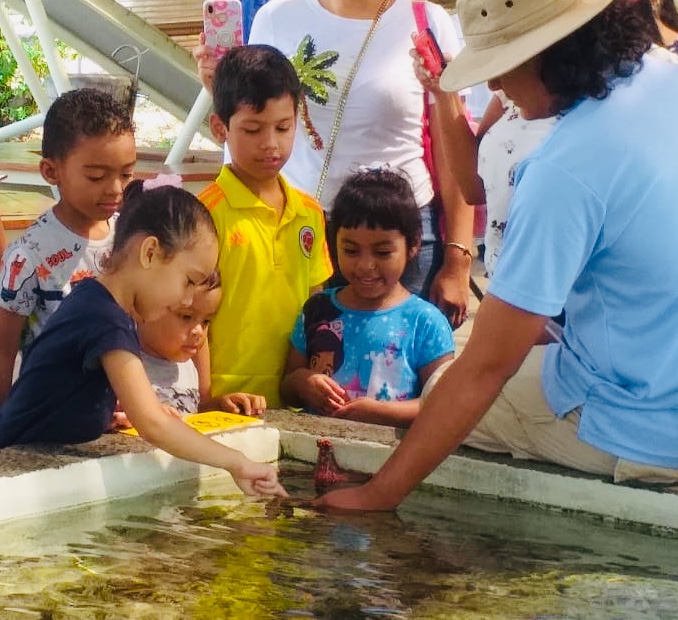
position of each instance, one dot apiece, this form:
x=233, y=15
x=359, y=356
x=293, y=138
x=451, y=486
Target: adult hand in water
x=354, y=498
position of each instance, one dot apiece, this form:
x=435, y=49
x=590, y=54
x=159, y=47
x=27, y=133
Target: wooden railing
x=181, y=20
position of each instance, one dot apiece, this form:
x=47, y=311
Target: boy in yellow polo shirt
x=272, y=236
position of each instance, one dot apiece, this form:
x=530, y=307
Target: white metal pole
x=19, y=128
x=23, y=61
x=42, y=29
x=201, y=106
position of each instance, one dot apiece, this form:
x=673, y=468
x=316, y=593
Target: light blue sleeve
x=433, y=335
x=298, y=336
x=554, y=225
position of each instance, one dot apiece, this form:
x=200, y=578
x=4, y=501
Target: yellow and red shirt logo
x=306, y=239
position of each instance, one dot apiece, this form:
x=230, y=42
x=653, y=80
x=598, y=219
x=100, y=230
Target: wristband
x=460, y=246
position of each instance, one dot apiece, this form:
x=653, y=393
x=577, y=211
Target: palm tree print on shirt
x=315, y=78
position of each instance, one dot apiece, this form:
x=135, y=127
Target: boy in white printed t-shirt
x=88, y=153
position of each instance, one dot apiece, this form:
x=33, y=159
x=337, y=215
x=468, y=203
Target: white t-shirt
x=39, y=269
x=175, y=383
x=382, y=119
x=505, y=145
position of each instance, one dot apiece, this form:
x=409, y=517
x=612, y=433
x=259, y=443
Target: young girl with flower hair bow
x=88, y=355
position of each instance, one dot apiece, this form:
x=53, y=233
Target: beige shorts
x=521, y=423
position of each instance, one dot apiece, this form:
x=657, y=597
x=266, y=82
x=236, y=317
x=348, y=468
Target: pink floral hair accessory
x=163, y=180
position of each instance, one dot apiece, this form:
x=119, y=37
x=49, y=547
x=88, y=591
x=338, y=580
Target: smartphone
x=222, y=21
x=425, y=43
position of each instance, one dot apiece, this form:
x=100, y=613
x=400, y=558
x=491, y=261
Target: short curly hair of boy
x=84, y=112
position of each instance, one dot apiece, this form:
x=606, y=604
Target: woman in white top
x=485, y=163
x=381, y=122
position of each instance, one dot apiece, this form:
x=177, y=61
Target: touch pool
x=198, y=550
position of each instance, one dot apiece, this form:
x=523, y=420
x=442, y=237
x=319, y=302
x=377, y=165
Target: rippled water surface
x=211, y=554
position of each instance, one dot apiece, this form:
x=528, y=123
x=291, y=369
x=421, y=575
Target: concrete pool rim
x=36, y=480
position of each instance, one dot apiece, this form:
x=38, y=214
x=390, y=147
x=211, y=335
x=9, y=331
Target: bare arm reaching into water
x=137, y=398
x=502, y=337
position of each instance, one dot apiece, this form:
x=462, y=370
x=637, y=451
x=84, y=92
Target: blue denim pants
x=422, y=269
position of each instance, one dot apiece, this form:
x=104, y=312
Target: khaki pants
x=521, y=423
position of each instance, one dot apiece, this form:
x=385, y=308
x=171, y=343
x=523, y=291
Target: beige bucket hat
x=502, y=34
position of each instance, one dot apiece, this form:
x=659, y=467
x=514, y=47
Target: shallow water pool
x=211, y=554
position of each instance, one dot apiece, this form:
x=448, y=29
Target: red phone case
x=425, y=43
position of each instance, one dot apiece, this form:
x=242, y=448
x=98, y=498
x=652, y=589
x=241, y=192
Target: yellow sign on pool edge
x=208, y=422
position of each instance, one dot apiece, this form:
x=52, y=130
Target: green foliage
x=16, y=101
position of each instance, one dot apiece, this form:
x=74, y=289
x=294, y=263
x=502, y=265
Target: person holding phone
x=428, y=49
x=222, y=27
x=381, y=121
x=591, y=228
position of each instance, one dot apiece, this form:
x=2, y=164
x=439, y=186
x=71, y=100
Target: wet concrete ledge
x=47, y=478
x=365, y=447
x=43, y=479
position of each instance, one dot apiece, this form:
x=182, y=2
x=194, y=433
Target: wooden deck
x=197, y=165
x=19, y=209
x=24, y=195
x=181, y=20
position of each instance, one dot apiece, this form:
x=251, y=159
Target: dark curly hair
x=646, y=10
x=586, y=63
x=79, y=113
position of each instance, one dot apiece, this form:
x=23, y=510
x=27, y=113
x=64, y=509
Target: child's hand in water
x=257, y=479
x=323, y=393
x=243, y=403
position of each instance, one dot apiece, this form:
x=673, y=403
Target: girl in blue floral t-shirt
x=364, y=351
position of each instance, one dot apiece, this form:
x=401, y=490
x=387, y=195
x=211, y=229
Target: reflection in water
x=221, y=556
